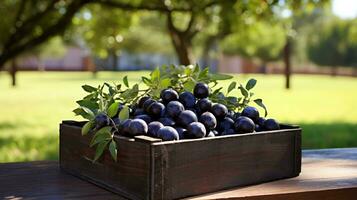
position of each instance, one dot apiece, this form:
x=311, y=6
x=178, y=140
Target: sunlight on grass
x=30, y=113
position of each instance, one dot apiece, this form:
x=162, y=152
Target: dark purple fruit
x=156, y=109
x=204, y=104
x=186, y=117
x=187, y=99
x=244, y=125
x=154, y=127
x=168, y=95
x=142, y=100
x=196, y=130
x=124, y=127
x=174, y=108
x=181, y=132
x=260, y=121
x=208, y=120
x=147, y=103
x=167, y=133
x=224, y=124
x=271, y=124
x=138, y=127
x=116, y=121
x=101, y=120
x=219, y=110
x=139, y=111
x=166, y=121
x=144, y=117
x=201, y=90
x=258, y=128
x=228, y=132
x=251, y=112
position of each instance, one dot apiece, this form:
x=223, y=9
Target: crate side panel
x=194, y=168
x=129, y=176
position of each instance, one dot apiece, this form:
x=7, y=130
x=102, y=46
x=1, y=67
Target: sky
x=346, y=9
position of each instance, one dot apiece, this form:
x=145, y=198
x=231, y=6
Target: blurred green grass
x=325, y=107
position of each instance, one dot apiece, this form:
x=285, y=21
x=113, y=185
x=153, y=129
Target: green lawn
x=325, y=107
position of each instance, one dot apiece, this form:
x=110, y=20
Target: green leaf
x=251, y=83
x=99, y=150
x=125, y=81
x=216, y=77
x=146, y=80
x=259, y=102
x=124, y=113
x=81, y=112
x=231, y=86
x=87, y=127
x=155, y=75
x=89, y=88
x=92, y=105
x=203, y=75
x=165, y=83
x=89, y=112
x=243, y=91
x=113, y=109
x=113, y=150
x=189, y=85
x=101, y=135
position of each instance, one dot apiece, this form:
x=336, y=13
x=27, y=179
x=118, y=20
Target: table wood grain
x=326, y=174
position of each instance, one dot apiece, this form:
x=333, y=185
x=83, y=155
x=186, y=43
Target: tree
x=34, y=23
x=335, y=45
x=262, y=40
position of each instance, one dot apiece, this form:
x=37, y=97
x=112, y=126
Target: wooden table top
x=326, y=174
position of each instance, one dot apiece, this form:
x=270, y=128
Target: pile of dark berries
x=188, y=115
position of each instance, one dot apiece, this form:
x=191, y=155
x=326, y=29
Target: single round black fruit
x=156, y=109
x=201, y=90
x=168, y=95
x=144, y=117
x=208, y=120
x=187, y=99
x=186, y=117
x=229, y=132
x=258, y=128
x=142, y=100
x=196, y=130
x=174, y=108
x=244, y=125
x=167, y=133
x=215, y=132
x=224, y=124
x=154, y=127
x=139, y=111
x=260, y=121
x=147, y=103
x=101, y=120
x=138, y=127
x=181, y=132
x=251, y=112
x=167, y=121
x=271, y=124
x=116, y=121
x=219, y=110
x=204, y=104
x=124, y=127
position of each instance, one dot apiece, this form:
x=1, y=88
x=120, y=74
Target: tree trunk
x=182, y=42
x=334, y=70
x=287, y=58
x=13, y=71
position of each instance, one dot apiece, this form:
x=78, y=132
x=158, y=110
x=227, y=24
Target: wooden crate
x=148, y=168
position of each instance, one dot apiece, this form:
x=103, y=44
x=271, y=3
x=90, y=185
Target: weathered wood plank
x=326, y=174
